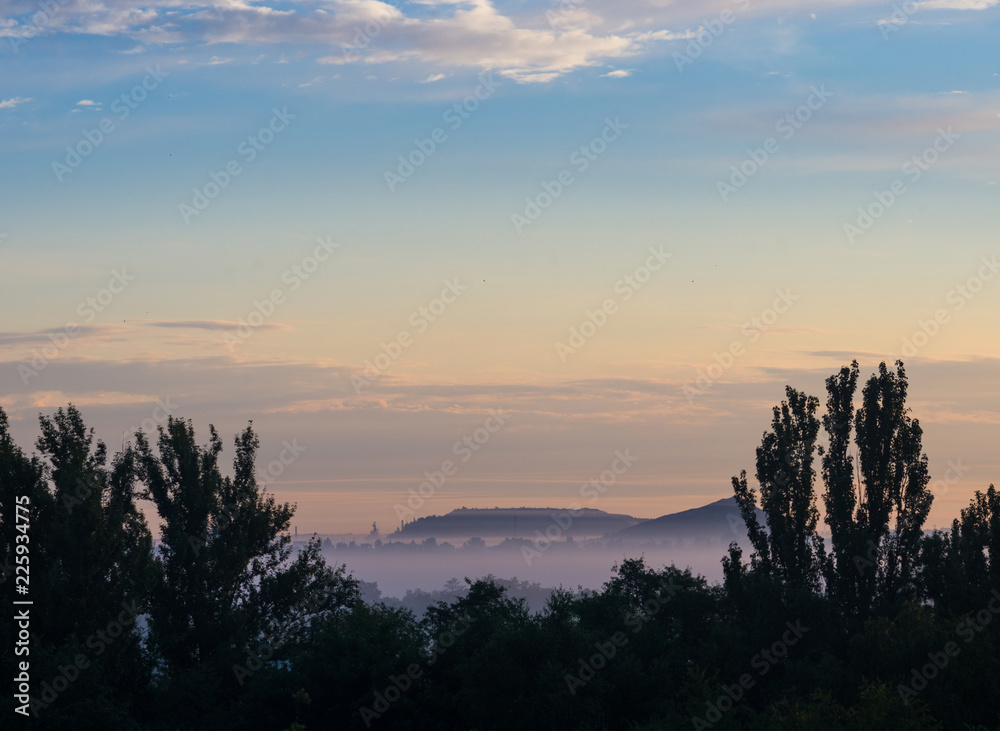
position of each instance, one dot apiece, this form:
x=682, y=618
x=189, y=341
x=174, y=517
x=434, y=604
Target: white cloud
x=959, y=4
x=434, y=77
x=532, y=43
x=665, y=35
x=476, y=35
x=218, y=61
x=619, y=74
x=88, y=103
x=11, y=103
x=472, y=34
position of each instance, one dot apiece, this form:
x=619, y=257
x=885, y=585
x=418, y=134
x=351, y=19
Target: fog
x=569, y=566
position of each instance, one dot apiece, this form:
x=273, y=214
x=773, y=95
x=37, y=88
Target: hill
x=514, y=523
x=712, y=524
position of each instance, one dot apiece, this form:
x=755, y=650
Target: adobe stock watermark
x=420, y=319
x=293, y=277
x=88, y=309
x=290, y=452
x=559, y=16
x=454, y=117
x=955, y=472
x=581, y=159
x=706, y=35
x=590, y=666
x=913, y=169
x=626, y=287
x=400, y=684
x=312, y=605
x=464, y=448
x=35, y=24
x=958, y=297
x=787, y=126
x=900, y=17
x=752, y=330
x=967, y=629
x=122, y=106
x=248, y=148
x=563, y=520
x=159, y=416
x=97, y=643
x=365, y=34
x=763, y=662
x=229, y=513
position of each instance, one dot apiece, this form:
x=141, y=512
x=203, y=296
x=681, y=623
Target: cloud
x=477, y=36
x=958, y=4
x=217, y=325
x=619, y=74
x=560, y=429
x=474, y=34
x=51, y=400
x=434, y=77
x=52, y=335
x=535, y=43
x=11, y=103
x=87, y=103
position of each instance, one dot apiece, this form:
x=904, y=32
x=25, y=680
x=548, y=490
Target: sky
x=507, y=241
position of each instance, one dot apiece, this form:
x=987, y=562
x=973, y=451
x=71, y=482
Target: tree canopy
x=847, y=614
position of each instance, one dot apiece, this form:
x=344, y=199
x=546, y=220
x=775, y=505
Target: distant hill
x=513, y=523
x=712, y=524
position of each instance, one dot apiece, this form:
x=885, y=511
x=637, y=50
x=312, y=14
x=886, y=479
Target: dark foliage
x=220, y=625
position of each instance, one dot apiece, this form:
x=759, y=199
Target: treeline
x=535, y=595
x=221, y=626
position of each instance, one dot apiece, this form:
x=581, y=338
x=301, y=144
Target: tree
x=840, y=497
x=229, y=596
x=92, y=567
x=791, y=548
x=876, y=525
x=882, y=535
x=94, y=534
x=22, y=492
x=961, y=568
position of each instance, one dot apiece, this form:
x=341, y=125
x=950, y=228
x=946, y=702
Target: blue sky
x=357, y=84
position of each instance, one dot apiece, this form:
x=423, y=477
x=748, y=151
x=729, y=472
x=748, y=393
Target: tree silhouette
x=228, y=590
x=876, y=523
x=790, y=549
x=92, y=553
x=892, y=627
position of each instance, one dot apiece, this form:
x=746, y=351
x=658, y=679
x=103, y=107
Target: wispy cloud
x=217, y=325
x=15, y=101
x=35, y=337
x=528, y=45
x=959, y=4
x=470, y=34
